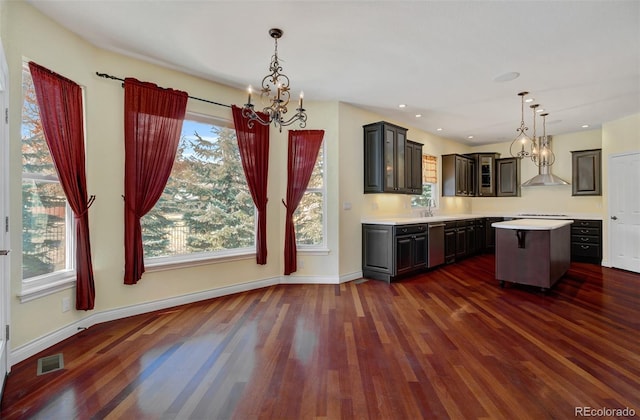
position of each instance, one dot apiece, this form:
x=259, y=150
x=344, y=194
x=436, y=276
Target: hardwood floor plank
x=449, y=343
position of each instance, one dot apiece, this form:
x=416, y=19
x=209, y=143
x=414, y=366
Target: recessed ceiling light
x=469, y=137
x=585, y=126
x=402, y=106
x=418, y=115
x=539, y=110
x=529, y=100
x=439, y=129
x=507, y=77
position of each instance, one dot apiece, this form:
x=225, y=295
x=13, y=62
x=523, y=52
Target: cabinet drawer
x=577, y=230
x=586, y=223
x=409, y=229
x=579, y=239
x=585, y=250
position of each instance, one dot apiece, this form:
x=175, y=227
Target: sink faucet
x=428, y=212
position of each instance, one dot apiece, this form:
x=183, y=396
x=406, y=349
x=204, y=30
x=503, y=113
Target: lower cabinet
x=450, y=234
x=391, y=251
x=586, y=241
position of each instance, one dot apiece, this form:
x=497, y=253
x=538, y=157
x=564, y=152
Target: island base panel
x=541, y=260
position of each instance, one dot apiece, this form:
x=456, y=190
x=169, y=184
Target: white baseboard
x=42, y=343
x=350, y=277
x=320, y=279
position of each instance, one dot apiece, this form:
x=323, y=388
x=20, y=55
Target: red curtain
x=152, y=124
x=253, y=144
x=61, y=113
x=303, y=152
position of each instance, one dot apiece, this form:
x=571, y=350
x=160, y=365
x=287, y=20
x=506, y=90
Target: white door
x=4, y=214
x=624, y=211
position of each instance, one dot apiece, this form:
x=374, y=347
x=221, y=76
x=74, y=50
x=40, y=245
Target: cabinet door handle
x=583, y=239
x=584, y=246
x=614, y=218
x=584, y=231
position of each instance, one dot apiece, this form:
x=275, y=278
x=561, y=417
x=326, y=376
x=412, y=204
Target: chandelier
x=275, y=95
x=522, y=146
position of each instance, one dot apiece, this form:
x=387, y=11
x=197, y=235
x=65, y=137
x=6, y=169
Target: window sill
x=194, y=260
x=313, y=251
x=46, y=285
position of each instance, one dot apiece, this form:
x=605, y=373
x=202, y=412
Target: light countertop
x=532, y=224
x=408, y=219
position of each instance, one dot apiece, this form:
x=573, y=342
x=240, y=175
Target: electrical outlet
x=66, y=304
x=300, y=263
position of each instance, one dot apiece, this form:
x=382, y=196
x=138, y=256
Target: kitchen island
x=535, y=252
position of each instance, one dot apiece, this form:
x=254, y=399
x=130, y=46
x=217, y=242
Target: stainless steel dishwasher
x=436, y=244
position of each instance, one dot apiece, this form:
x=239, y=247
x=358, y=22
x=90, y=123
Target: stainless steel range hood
x=545, y=177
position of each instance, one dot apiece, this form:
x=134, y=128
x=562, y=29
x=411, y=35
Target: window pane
x=36, y=158
x=317, y=179
x=43, y=228
x=46, y=219
x=206, y=205
x=428, y=193
x=308, y=219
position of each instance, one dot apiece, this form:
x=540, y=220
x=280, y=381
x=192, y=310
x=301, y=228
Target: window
x=309, y=216
x=429, y=183
x=47, y=220
x=206, y=208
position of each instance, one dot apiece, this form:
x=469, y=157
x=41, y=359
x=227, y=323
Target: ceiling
x=580, y=60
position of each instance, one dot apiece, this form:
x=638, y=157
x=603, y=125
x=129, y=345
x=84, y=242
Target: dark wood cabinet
x=480, y=227
x=450, y=235
x=461, y=240
x=458, y=175
x=586, y=241
x=384, y=158
x=490, y=233
x=485, y=174
x=508, y=177
x=586, y=172
x=413, y=167
x=389, y=252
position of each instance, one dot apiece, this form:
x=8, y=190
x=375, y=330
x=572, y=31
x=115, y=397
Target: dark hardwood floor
x=446, y=344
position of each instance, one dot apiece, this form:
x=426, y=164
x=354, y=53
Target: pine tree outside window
x=206, y=210
x=47, y=220
x=309, y=217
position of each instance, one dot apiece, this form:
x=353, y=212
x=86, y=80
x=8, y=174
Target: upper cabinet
x=391, y=162
x=457, y=175
x=413, y=167
x=480, y=175
x=508, y=177
x=485, y=168
x=586, y=172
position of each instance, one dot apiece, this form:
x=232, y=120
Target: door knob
x=614, y=218
x=4, y=251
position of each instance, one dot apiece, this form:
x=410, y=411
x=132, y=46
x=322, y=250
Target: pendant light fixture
x=521, y=147
x=275, y=95
x=546, y=158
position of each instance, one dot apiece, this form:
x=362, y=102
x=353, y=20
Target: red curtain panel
x=153, y=119
x=61, y=113
x=303, y=152
x=253, y=144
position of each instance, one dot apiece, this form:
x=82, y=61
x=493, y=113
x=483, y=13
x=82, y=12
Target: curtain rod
x=107, y=76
